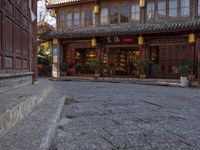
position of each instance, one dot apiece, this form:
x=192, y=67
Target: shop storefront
x=120, y=61
x=120, y=56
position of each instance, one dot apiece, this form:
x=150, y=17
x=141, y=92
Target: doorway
x=154, y=58
x=82, y=59
x=120, y=62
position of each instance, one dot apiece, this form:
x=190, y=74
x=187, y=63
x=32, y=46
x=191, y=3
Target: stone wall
x=12, y=82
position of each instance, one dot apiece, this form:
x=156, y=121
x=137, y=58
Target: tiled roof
x=131, y=29
x=57, y=2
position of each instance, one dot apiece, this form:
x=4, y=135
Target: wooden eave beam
x=69, y=4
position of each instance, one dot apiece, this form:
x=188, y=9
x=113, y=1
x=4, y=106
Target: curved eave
x=62, y=4
x=121, y=30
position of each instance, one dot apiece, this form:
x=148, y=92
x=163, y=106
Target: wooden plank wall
x=198, y=58
x=0, y=35
x=15, y=50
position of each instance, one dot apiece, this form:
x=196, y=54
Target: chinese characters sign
x=121, y=40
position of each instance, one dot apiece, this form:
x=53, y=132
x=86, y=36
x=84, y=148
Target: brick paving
x=117, y=116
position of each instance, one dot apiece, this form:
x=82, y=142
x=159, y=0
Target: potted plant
x=194, y=83
x=95, y=65
x=183, y=71
x=63, y=69
x=190, y=64
x=142, y=66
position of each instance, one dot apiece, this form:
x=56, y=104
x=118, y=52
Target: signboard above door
x=114, y=40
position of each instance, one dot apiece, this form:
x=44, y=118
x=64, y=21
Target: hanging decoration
x=96, y=9
x=140, y=40
x=191, y=39
x=142, y=3
x=53, y=13
x=94, y=42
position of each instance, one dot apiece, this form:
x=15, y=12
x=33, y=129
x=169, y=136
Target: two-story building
x=121, y=32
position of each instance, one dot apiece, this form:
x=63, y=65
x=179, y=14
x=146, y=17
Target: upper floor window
x=173, y=8
x=135, y=12
x=150, y=10
x=185, y=8
x=104, y=16
x=124, y=14
x=69, y=20
x=198, y=7
x=90, y=18
x=161, y=8
x=114, y=15
x=76, y=19
x=83, y=18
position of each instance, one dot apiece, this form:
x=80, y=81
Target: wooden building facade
x=121, y=32
x=17, y=42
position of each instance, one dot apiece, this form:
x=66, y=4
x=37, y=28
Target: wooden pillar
x=140, y=52
x=198, y=58
x=147, y=57
x=56, y=58
x=98, y=52
x=34, y=42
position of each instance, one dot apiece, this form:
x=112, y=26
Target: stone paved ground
x=111, y=116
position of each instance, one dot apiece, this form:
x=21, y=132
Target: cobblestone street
x=109, y=116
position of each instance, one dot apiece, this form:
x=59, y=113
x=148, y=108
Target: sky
x=42, y=11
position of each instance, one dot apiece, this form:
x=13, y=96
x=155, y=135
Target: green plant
x=182, y=70
x=43, y=60
x=190, y=64
x=143, y=65
x=95, y=65
x=63, y=67
x=70, y=101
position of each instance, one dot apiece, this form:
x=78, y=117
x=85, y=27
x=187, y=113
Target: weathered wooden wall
x=17, y=36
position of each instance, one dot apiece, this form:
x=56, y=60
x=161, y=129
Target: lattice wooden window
x=173, y=8
x=185, y=8
x=135, y=12
x=104, y=16
x=150, y=13
x=161, y=8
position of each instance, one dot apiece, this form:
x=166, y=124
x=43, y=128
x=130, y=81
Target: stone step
x=16, y=104
x=36, y=130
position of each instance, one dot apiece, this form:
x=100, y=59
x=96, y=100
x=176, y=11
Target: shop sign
x=55, y=52
x=121, y=40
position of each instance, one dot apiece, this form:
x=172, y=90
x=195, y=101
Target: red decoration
x=127, y=40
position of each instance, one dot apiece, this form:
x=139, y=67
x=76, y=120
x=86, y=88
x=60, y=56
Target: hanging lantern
x=94, y=42
x=142, y=3
x=53, y=13
x=96, y=9
x=140, y=40
x=191, y=38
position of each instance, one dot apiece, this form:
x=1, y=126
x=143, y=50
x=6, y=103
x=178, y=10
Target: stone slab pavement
x=117, y=116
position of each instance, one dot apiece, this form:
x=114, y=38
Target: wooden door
x=172, y=55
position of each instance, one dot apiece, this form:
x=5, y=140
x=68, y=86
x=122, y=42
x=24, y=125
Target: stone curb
x=120, y=81
x=12, y=75
x=36, y=131
x=17, y=113
x=50, y=133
